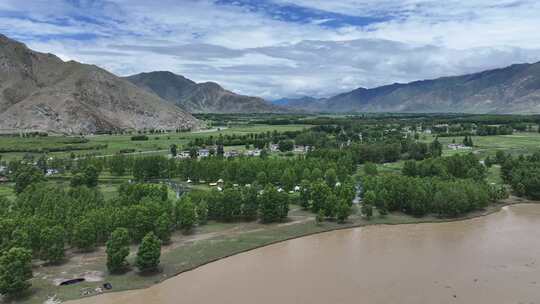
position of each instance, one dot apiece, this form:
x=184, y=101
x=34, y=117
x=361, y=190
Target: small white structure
x=51, y=172
x=212, y=184
x=280, y=189
x=255, y=152
x=183, y=155
x=299, y=149
x=296, y=188
x=274, y=147
x=458, y=147
x=189, y=181
x=219, y=189
x=204, y=153
x=232, y=153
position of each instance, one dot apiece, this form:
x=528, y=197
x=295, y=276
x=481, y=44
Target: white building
x=51, y=172
x=204, y=153
x=458, y=147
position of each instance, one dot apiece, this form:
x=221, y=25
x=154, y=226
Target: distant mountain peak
x=513, y=89
x=206, y=97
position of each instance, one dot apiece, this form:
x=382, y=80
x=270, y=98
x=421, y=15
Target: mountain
x=511, y=90
x=207, y=97
x=40, y=92
x=305, y=103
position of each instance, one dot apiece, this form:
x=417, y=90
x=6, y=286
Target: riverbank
x=489, y=259
x=209, y=243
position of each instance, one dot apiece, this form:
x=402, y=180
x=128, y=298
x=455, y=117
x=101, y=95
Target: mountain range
x=40, y=92
x=207, y=97
x=511, y=90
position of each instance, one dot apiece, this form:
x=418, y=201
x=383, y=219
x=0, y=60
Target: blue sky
x=282, y=48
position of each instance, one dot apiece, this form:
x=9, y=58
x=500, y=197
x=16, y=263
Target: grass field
x=156, y=144
x=518, y=143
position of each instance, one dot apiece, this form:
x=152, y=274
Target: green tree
x=367, y=210
x=330, y=177
x=21, y=239
x=370, y=169
x=149, y=253
x=88, y=177
x=436, y=148
x=15, y=271
x=288, y=179
x=84, y=235
x=368, y=201
x=53, y=240
x=305, y=194
x=174, y=150
x=409, y=168
x=25, y=176
x=273, y=206
x=319, y=193
x=316, y=174
x=91, y=175
x=232, y=204
x=187, y=214
x=320, y=217
x=343, y=210
x=117, y=249
x=163, y=228
x=250, y=203
x=285, y=145
x=202, y=212
x=261, y=178
x=118, y=165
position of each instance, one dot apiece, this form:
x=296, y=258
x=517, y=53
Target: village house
x=232, y=153
x=51, y=172
x=255, y=152
x=204, y=153
x=458, y=147
x=274, y=147
x=183, y=155
x=299, y=149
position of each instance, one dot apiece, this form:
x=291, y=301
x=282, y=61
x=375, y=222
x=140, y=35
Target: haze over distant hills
x=511, y=90
x=306, y=103
x=207, y=97
x=41, y=92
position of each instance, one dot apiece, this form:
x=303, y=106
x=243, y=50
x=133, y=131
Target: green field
x=518, y=143
x=156, y=144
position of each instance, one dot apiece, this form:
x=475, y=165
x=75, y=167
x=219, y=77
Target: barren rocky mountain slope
x=41, y=92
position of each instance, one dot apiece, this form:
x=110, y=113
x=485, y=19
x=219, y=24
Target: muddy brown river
x=493, y=259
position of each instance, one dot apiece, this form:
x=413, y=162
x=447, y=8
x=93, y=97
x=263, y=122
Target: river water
x=492, y=259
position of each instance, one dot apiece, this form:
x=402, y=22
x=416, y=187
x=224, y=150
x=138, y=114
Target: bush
x=139, y=137
x=149, y=253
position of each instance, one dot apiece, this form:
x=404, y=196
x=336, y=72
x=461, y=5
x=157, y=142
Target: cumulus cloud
x=277, y=48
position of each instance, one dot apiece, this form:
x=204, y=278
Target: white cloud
x=251, y=52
